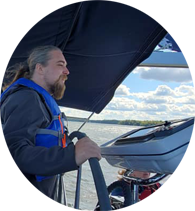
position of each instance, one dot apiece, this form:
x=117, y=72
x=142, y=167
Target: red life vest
x=148, y=190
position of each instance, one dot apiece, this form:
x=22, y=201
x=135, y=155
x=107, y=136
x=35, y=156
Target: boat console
x=157, y=149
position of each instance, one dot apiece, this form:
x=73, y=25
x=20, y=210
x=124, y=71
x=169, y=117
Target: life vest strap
x=47, y=132
x=62, y=118
x=55, y=117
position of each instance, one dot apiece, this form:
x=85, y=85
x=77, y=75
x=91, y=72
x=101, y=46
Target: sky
x=150, y=94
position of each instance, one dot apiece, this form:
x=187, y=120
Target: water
x=100, y=133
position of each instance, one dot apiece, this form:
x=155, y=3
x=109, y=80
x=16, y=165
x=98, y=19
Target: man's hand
x=85, y=148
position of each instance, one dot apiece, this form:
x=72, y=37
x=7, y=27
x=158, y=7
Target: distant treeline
x=119, y=122
x=128, y=122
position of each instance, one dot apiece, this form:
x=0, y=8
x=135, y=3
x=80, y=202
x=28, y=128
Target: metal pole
x=135, y=193
x=86, y=121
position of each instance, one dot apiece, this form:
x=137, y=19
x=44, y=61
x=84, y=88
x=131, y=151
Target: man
x=33, y=125
x=121, y=193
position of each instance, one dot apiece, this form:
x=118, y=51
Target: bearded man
x=33, y=123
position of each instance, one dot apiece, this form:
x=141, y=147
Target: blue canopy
x=102, y=42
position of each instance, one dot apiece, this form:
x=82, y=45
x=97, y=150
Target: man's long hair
x=26, y=69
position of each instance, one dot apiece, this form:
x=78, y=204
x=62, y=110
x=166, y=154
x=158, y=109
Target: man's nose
x=66, y=71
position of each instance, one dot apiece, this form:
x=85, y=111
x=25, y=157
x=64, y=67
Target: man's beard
x=57, y=89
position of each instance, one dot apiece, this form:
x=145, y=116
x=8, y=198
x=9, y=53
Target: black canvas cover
x=102, y=43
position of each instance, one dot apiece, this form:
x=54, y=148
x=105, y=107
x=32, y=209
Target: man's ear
x=39, y=68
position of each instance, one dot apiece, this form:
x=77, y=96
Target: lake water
x=100, y=133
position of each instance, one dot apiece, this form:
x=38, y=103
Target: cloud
x=126, y=104
x=179, y=75
x=75, y=112
x=164, y=90
x=163, y=103
x=122, y=90
x=164, y=94
x=184, y=90
x=122, y=104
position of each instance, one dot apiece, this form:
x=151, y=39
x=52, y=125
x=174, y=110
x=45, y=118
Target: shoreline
x=119, y=122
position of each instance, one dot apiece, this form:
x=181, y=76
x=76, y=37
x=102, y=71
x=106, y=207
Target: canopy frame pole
x=86, y=120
